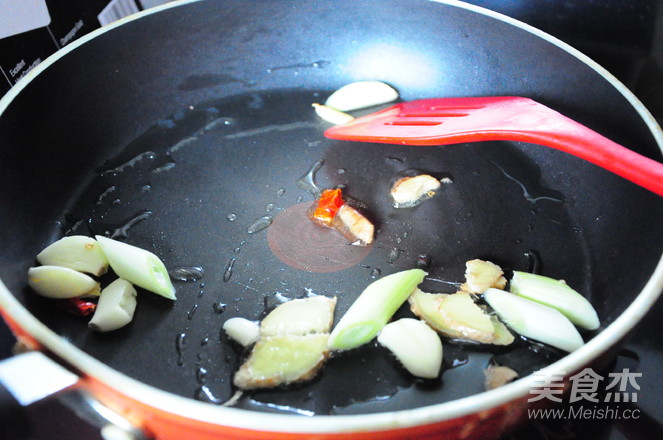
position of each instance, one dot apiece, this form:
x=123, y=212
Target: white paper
x=20, y=16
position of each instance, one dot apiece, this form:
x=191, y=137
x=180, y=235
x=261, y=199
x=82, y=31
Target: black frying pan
x=175, y=132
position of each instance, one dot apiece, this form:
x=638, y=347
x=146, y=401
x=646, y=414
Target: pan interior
x=197, y=189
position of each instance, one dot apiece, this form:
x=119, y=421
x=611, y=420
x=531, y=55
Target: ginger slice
x=292, y=345
x=457, y=316
x=282, y=360
x=481, y=275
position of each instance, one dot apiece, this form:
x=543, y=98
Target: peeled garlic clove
x=242, y=331
x=415, y=345
x=299, y=317
x=115, y=308
x=481, y=275
x=332, y=115
x=76, y=252
x=361, y=94
x=138, y=266
x=411, y=191
x=61, y=282
x=282, y=360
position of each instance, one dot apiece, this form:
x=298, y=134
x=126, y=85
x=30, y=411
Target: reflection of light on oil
x=402, y=67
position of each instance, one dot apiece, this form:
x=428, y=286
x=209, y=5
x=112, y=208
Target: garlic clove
x=242, y=331
x=332, y=115
x=361, y=94
x=76, y=252
x=61, y=282
x=415, y=345
x=116, y=306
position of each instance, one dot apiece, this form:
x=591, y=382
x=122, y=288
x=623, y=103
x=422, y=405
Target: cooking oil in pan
x=259, y=224
x=229, y=270
x=231, y=162
x=186, y=273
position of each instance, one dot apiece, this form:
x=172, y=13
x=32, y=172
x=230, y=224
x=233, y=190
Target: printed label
x=117, y=9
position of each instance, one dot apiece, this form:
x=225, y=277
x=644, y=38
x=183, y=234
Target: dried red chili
x=77, y=306
x=326, y=207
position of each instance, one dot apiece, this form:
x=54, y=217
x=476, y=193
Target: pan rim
x=243, y=419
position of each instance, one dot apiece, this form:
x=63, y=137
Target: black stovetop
x=626, y=37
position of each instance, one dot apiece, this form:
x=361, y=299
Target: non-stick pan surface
x=178, y=131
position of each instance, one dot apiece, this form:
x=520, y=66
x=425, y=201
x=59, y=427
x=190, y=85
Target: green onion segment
x=558, y=295
x=534, y=320
x=138, y=266
x=373, y=309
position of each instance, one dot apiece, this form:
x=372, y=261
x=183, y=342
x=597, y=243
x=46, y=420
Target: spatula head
x=435, y=121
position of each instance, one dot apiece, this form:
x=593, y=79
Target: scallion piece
x=138, y=266
x=534, y=320
x=373, y=309
x=558, y=295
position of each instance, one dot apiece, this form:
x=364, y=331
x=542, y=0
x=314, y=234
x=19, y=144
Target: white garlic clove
x=332, y=115
x=76, y=252
x=242, y=331
x=361, y=94
x=415, y=345
x=116, y=306
x=61, y=282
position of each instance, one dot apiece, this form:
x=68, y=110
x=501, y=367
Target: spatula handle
x=593, y=147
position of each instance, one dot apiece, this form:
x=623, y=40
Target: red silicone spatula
x=441, y=121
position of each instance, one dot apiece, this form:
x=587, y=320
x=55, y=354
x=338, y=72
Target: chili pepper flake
x=326, y=207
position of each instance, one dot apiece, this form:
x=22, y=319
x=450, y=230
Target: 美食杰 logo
x=593, y=396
